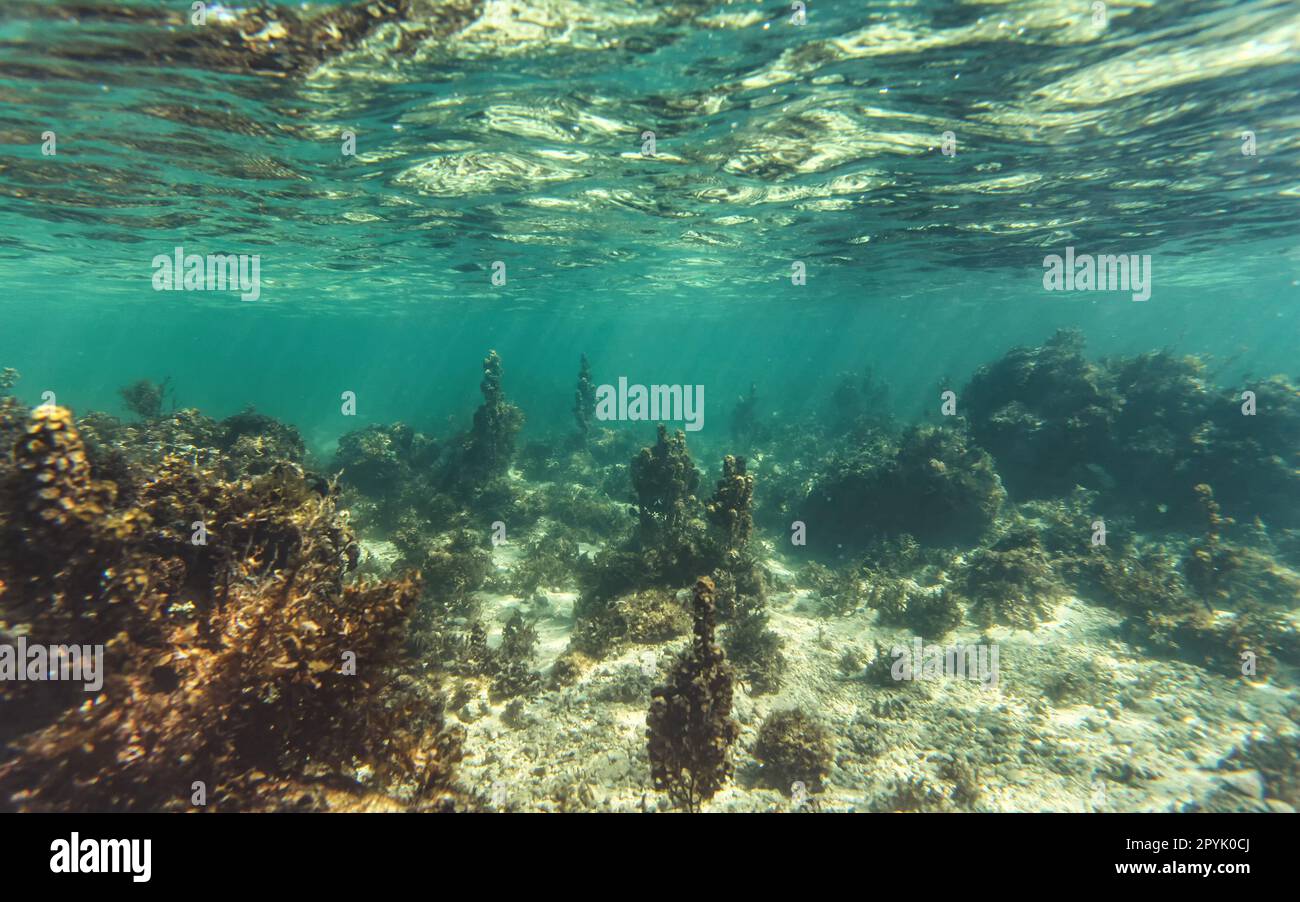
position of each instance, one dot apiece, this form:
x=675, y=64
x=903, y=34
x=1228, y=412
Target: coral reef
x=689, y=724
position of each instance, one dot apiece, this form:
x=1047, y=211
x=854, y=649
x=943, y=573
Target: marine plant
x=1209, y=563
x=144, y=398
x=1045, y=414
x=929, y=611
x=792, y=746
x=548, y=560
x=584, y=400
x=514, y=674
x=665, y=481
x=490, y=445
x=253, y=443
x=689, y=725
x=751, y=644
x=1011, y=583
x=238, y=652
x=651, y=616
x=730, y=510
x=933, y=484
x=454, y=565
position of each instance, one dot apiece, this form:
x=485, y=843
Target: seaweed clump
x=379, y=459
x=1011, y=583
x=1045, y=413
x=253, y=442
x=239, y=655
x=677, y=533
x=730, y=509
x=490, y=446
x=793, y=747
x=752, y=645
x=144, y=398
x=689, y=724
x=1143, y=430
x=651, y=616
x=931, y=611
x=514, y=674
x=665, y=480
x=584, y=401
x=934, y=485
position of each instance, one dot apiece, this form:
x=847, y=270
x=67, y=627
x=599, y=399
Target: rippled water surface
x=513, y=132
x=720, y=194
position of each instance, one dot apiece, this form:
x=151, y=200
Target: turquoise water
x=775, y=143
x=696, y=194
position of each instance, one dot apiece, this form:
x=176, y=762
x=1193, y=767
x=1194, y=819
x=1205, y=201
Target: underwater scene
x=650, y=406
